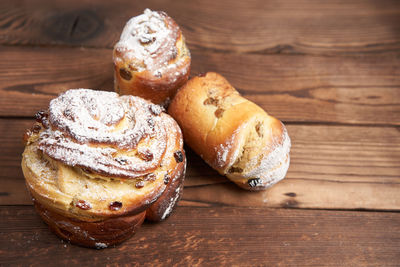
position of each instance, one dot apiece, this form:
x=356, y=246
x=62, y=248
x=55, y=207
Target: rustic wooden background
x=330, y=70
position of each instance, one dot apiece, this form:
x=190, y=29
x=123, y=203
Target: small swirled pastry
x=97, y=164
x=151, y=59
x=232, y=134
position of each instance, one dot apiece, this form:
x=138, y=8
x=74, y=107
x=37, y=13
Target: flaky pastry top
x=101, y=131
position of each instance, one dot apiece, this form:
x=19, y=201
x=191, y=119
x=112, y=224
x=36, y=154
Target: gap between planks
x=361, y=90
x=315, y=123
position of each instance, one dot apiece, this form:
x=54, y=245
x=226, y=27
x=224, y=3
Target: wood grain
x=356, y=89
x=255, y=26
x=352, y=89
x=31, y=77
x=329, y=69
x=332, y=167
x=218, y=237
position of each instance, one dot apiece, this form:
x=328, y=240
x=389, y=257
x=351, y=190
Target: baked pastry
x=97, y=164
x=151, y=59
x=232, y=134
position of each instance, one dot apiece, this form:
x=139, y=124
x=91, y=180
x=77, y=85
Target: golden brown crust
x=232, y=134
x=59, y=180
x=163, y=207
x=151, y=60
x=98, y=235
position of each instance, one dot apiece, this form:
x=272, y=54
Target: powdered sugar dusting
x=148, y=42
x=269, y=169
x=172, y=203
x=223, y=150
x=274, y=165
x=99, y=131
x=145, y=36
x=222, y=153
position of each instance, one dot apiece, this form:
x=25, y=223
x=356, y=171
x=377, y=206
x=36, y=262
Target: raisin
x=36, y=128
x=68, y=114
x=178, y=156
x=254, y=182
x=115, y=205
x=145, y=155
x=150, y=177
x=155, y=109
x=40, y=115
x=121, y=161
x=139, y=184
x=166, y=178
x=125, y=74
x=82, y=204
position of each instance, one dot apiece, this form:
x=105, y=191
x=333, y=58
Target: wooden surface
x=225, y=235
x=330, y=70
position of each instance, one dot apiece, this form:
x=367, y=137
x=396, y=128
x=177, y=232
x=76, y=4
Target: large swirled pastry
x=151, y=59
x=232, y=134
x=97, y=164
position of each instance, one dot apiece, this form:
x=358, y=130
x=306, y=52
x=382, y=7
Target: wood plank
x=31, y=77
x=219, y=236
x=357, y=89
x=292, y=26
x=332, y=167
x=341, y=89
x=12, y=190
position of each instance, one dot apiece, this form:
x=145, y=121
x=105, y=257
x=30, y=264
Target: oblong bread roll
x=232, y=134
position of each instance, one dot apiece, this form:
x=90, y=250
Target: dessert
x=97, y=164
x=232, y=134
x=151, y=59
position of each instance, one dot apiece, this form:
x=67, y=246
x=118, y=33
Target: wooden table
x=330, y=70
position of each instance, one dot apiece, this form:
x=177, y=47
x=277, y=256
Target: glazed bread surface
x=151, y=59
x=232, y=134
x=96, y=157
